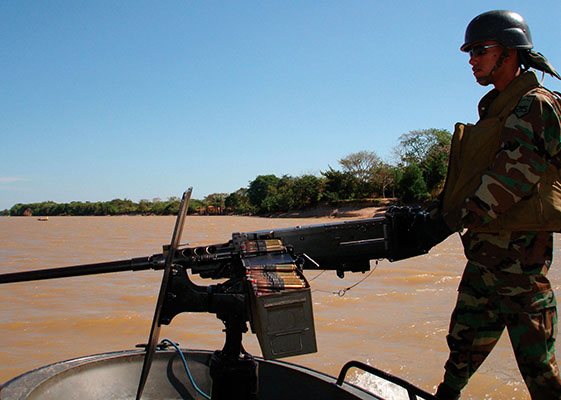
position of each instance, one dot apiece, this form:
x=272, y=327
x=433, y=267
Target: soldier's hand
x=430, y=232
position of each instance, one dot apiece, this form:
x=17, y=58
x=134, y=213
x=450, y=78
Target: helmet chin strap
x=488, y=79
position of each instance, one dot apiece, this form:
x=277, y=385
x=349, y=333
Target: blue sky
x=142, y=99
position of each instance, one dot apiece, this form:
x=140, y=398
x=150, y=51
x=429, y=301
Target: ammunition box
x=283, y=322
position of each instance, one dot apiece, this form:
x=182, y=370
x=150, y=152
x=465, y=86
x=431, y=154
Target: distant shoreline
x=344, y=209
x=319, y=212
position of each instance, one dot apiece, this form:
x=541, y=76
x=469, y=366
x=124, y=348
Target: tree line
x=416, y=175
x=113, y=207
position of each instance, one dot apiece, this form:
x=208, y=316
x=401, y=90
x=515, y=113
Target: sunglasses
x=481, y=50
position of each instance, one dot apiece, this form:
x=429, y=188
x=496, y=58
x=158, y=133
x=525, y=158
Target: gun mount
x=264, y=284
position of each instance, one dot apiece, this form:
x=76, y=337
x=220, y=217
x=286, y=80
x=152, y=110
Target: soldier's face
x=483, y=57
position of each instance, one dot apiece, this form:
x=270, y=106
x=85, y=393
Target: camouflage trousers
x=504, y=285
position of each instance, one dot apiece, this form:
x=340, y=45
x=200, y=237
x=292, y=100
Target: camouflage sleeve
x=530, y=139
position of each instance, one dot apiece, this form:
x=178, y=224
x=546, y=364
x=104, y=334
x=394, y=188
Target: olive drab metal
x=505, y=27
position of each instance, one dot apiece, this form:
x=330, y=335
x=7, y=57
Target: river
x=396, y=319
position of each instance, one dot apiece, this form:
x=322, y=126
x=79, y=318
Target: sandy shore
x=347, y=212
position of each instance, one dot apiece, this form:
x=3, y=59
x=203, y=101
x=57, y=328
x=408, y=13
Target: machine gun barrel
x=133, y=264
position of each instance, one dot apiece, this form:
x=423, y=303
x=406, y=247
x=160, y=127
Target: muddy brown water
x=396, y=319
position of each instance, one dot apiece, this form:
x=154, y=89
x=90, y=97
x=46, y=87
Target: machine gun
x=264, y=284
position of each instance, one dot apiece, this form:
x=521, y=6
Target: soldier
x=504, y=187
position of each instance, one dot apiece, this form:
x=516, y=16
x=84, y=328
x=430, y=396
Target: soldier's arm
x=530, y=139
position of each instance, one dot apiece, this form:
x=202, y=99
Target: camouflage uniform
x=504, y=283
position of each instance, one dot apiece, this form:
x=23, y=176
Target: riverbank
x=334, y=212
x=347, y=210
x=344, y=209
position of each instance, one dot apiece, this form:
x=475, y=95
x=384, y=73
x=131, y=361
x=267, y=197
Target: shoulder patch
x=523, y=106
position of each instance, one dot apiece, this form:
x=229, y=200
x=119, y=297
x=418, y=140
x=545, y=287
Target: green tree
x=216, y=200
x=435, y=169
x=282, y=197
x=171, y=206
x=269, y=193
x=261, y=192
x=385, y=178
x=16, y=209
x=415, y=146
x=194, y=205
x=306, y=191
x=238, y=202
x=340, y=185
x=158, y=208
x=363, y=165
x=429, y=149
x=144, y=206
x=412, y=186
x=215, y=203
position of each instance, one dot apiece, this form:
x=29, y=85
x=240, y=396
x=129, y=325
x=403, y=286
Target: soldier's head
x=500, y=44
x=493, y=40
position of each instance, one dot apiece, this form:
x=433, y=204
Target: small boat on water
x=43, y=219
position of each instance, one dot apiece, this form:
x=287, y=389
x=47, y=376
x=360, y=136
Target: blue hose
x=206, y=396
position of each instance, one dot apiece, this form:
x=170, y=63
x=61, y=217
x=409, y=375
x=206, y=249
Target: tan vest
x=472, y=153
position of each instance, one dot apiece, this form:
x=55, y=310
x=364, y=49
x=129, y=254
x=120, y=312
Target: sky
x=143, y=99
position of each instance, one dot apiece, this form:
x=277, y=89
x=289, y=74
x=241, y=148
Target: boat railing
x=413, y=392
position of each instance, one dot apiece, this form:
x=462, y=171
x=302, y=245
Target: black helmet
x=506, y=27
